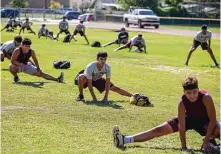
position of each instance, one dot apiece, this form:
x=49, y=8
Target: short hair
x=64, y=17
x=43, y=25
x=122, y=29
x=18, y=38
x=204, y=27
x=102, y=54
x=190, y=83
x=26, y=41
x=26, y=19
x=81, y=21
x=139, y=34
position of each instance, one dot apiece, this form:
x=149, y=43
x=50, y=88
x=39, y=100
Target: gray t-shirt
x=92, y=72
x=8, y=46
x=203, y=37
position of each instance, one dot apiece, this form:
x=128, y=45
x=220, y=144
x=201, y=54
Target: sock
x=128, y=139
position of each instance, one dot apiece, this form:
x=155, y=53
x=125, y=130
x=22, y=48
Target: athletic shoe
x=118, y=137
x=16, y=79
x=213, y=147
x=115, y=50
x=61, y=78
x=80, y=98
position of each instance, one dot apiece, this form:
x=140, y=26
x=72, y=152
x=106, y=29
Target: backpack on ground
x=62, y=64
x=96, y=44
x=67, y=38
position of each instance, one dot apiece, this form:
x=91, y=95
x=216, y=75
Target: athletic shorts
x=98, y=84
x=29, y=68
x=199, y=126
x=122, y=41
x=28, y=28
x=64, y=31
x=80, y=32
x=204, y=45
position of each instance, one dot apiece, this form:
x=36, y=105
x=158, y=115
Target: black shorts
x=98, y=84
x=204, y=45
x=64, y=31
x=28, y=28
x=80, y=32
x=121, y=41
x=199, y=126
x=8, y=25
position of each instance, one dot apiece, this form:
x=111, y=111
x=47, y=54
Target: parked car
x=72, y=15
x=86, y=17
x=142, y=17
x=63, y=10
x=9, y=12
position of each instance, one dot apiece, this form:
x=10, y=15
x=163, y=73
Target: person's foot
x=2, y=59
x=61, y=78
x=118, y=137
x=16, y=79
x=213, y=146
x=217, y=65
x=186, y=64
x=115, y=50
x=80, y=98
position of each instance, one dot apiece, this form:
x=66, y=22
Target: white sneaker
x=115, y=50
x=118, y=137
x=61, y=78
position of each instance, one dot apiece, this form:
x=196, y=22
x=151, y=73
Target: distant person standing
x=201, y=38
x=27, y=24
x=63, y=27
x=80, y=28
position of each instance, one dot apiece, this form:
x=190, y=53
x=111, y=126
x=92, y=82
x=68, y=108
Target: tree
x=54, y=5
x=19, y=3
x=85, y=4
x=173, y=2
x=140, y=3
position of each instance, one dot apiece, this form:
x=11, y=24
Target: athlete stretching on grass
x=195, y=111
x=201, y=38
x=92, y=77
x=20, y=63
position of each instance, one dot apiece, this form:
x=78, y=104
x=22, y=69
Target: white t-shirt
x=63, y=25
x=92, y=72
x=8, y=46
x=42, y=30
x=203, y=37
x=135, y=40
x=80, y=27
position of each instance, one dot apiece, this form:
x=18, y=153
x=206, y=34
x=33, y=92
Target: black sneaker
x=16, y=79
x=80, y=98
x=213, y=147
x=61, y=78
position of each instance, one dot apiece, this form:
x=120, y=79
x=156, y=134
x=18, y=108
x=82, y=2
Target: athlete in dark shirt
x=20, y=63
x=121, y=39
x=195, y=111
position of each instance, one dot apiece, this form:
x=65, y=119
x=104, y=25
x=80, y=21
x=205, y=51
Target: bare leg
x=13, y=70
x=109, y=43
x=120, y=91
x=81, y=82
x=86, y=39
x=58, y=35
x=121, y=47
x=161, y=130
x=20, y=31
x=210, y=51
x=189, y=55
x=46, y=76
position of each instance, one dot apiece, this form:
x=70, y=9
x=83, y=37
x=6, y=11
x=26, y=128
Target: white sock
x=128, y=139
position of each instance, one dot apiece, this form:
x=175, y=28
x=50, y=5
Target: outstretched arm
x=182, y=125
x=208, y=102
x=35, y=60
x=90, y=87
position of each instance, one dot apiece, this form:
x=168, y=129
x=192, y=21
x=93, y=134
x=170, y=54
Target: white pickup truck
x=142, y=17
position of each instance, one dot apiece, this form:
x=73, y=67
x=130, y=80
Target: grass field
x=40, y=116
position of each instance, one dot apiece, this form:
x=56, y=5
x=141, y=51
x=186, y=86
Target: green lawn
x=40, y=116
x=196, y=28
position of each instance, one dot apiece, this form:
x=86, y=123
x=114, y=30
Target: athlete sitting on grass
x=195, y=111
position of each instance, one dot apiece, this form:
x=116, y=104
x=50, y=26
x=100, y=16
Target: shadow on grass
x=194, y=151
x=105, y=104
x=4, y=69
x=209, y=65
x=32, y=84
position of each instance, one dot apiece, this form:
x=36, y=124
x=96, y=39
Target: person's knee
x=82, y=79
x=12, y=69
